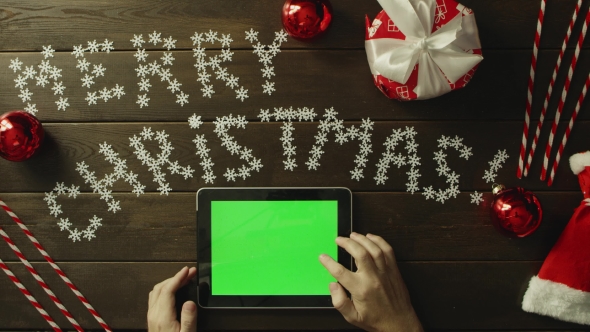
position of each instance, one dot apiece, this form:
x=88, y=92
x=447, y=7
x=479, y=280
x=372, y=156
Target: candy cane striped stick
x=55, y=267
x=568, y=130
x=527, y=165
x=527, y=115
x=564, y=92
x=40, y=281
x=30, y=297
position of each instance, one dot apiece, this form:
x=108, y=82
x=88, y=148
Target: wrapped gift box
x=421, y=49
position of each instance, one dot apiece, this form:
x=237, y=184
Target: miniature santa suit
x=562, y=287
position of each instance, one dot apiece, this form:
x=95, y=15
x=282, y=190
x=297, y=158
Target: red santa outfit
x=562, y=287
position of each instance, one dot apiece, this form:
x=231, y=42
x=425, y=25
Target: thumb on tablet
x=188, y=317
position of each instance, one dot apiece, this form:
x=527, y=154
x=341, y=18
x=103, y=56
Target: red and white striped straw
x=564, y=92
x=527, y=165
x=40, y=281
x=30, y=297
x=56, y=268
x=568, y=130
x=527, y=115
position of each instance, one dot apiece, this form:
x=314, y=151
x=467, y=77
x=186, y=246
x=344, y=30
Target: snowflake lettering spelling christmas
x=328, y=123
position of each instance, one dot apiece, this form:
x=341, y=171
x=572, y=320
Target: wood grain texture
x=461, y=273
x=151, y=228
x=447, y=295
x=67, y=144
x=27, y=26
x=318, y=79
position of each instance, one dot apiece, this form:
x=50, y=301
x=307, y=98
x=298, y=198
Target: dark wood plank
x=446, y=295
x=152, y=228
x=502, y=23
x=448, y=252
x=68, y=144
x=318, y=79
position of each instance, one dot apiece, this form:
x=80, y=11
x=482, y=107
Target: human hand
x=161, y=314
x=380, y=299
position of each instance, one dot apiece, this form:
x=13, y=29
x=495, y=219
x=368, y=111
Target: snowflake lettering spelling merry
x=91, y=72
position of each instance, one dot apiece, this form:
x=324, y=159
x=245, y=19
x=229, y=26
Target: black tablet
x=259, y=247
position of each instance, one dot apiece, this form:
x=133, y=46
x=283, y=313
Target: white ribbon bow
x=442, y=53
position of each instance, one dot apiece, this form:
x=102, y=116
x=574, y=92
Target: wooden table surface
x=461, y=273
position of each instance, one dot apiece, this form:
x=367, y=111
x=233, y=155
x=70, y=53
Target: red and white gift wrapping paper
x=421, y=49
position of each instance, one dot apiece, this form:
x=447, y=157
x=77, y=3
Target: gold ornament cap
x=497, y=188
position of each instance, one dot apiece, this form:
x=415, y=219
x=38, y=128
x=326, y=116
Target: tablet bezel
x=204, y=198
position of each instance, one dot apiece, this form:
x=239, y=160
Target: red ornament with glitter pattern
x=21, y=135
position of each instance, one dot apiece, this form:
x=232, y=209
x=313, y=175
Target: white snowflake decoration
x=62, y=103
x=142, y=100
x=287, y=115
x=476, y=198
x=495, y=165
x=329, y=123
x=64, y=223
x=48, y=52
x=222, y=126
x=443, y=169
x=138, y=41
x=202, y=63
x=365, y=147
x=156, y=68
x=93, y=71
x=42, y=78
x=155, y=164
x=389, y=158
x=31, y=108
x=202, y=151
x=58, y=88
x=242, y=93
x=15, y=65
x=266, y=54
x=25, y=95
x=104, y=186
x=154, y=38
x=268, y=87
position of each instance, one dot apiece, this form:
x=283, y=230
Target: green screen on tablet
x=272, y=247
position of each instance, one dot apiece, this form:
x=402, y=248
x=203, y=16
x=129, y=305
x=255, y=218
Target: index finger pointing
x=342, y=274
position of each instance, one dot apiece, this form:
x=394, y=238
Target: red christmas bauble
x=515, y=212
x=305, y=19
x=21, y=135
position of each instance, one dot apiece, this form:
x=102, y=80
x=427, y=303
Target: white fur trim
x=579, y=161
x=549, y=298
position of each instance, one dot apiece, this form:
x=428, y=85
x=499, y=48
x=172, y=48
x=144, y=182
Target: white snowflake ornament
x=476, y=198
x=495, y=165
x=266, y=54
x=390, y=158
x=451, y=177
